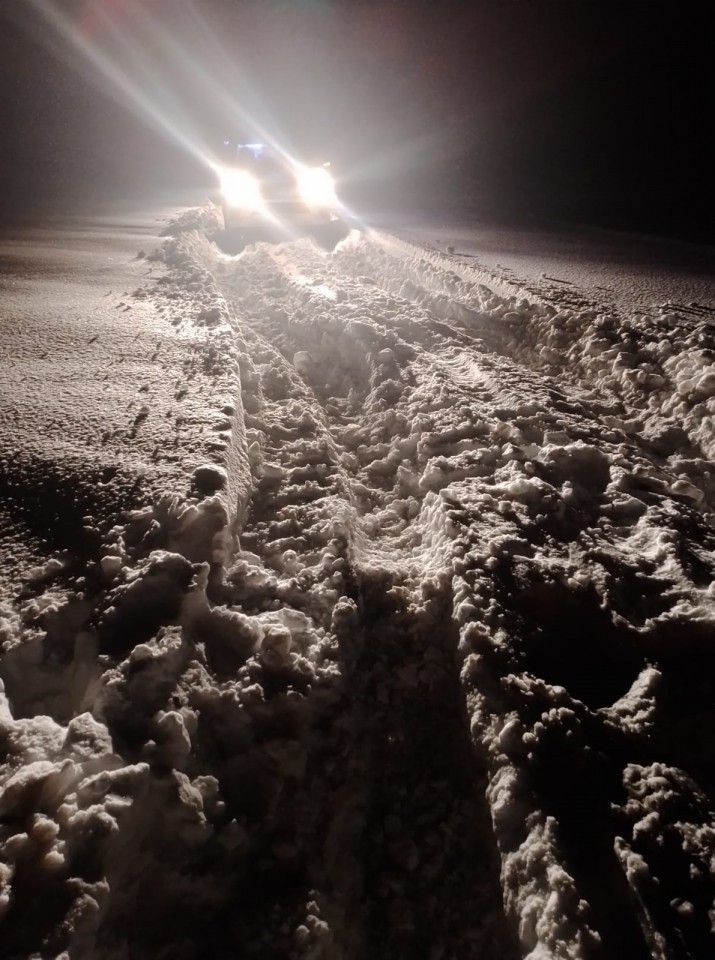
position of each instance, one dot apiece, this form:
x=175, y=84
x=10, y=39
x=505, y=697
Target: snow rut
x=408, y=762
x=572, y=482
x=649, y=374
x=421, y=666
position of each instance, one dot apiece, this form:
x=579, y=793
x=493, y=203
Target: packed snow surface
x=358, y=603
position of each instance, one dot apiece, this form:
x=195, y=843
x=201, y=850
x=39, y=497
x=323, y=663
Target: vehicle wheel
x=330, y=234
x=232, y=240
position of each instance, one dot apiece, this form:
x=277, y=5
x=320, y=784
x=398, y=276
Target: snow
x=357, y=601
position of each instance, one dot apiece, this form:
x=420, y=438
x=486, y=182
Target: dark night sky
x=594, y=110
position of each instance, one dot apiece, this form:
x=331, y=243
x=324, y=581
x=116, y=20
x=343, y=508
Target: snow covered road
x=371, y=606
x=565, y=261
x=97, y=380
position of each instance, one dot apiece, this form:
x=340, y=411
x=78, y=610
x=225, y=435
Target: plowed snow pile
x=420, y=664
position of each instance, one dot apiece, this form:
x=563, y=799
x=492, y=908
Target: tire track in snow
x=535, y=417
x=651, y=374
x=414, y=818
x=346, y=738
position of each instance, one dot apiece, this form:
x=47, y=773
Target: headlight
x=316, y=187
x=241, y=189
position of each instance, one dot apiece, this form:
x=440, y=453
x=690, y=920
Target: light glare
x=316, y=187
x=241, y=190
